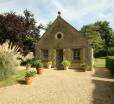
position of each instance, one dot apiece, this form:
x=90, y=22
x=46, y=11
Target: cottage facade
x=63, y=42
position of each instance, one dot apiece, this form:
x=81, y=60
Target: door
x=59, y=58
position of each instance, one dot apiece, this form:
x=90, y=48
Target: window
x=59, y=35
x=45, y=54
x=76, y=54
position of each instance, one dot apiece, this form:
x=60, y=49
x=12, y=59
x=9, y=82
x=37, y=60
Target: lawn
x=19, y=75
x=100, y=62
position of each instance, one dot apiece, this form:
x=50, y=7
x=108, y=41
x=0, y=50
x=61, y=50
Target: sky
x=76, y=12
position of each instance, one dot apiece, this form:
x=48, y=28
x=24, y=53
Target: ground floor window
x=45, y=54
x=76, y=54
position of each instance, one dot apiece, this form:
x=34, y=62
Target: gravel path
x=62, y=87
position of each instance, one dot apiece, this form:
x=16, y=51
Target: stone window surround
x=59, y=33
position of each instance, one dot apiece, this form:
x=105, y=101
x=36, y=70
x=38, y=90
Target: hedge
x=110, y=63
x=102, y=52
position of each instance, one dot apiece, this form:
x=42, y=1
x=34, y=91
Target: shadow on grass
x=103, y=92
x=22, y=82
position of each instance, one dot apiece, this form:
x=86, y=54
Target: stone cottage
x=61, y=42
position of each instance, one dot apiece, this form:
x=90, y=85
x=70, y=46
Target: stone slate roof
x=71, y=37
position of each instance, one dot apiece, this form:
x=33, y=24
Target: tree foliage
x=106, y=33
x=19, y=29
x=101, y=34
x=91, y=32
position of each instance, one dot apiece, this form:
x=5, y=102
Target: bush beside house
x=110, y=63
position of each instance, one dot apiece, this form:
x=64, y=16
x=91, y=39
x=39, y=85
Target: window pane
x=45, y=54
x=76, y=54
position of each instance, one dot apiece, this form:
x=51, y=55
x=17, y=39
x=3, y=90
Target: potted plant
x=66, y=64
x=49, y=64
x=83, y=67
x=34, y=62
x=28, y=66
x=39, y=68
x=28, y=77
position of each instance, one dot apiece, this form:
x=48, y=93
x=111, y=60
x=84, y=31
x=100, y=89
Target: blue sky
x=76, y=12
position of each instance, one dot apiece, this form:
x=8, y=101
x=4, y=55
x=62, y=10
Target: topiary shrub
x=8, y=59
x=66, y=63
x=110, y=63
x=39, y=65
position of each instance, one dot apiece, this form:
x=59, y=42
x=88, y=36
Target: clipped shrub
x=49, y=63
x=39, y=65
x=100, y=53
x=84, y=66
x=66, y=63
x=8, y=59
x=110, y=63
x=34, y=62
x=30, y=74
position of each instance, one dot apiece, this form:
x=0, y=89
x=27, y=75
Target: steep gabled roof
x=71, y=36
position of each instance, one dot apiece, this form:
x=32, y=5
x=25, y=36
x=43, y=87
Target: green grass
x=100, y=62
x=19, y=75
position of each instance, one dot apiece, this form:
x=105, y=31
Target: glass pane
x=76, y=54
x=45, y=54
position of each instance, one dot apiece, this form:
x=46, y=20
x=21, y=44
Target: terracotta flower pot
x=28, y=80
x=39, y=70
x=83, y=70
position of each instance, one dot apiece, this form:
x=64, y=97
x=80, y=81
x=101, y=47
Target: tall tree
x=19, y=29
x=91, y=32
x=102, y=35
x=107, y=34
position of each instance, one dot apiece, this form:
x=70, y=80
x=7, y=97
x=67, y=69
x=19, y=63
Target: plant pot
x=49, y=66
x=28, y=80
x=89, y=69
x=39, y=70
x=66, y=67
x=82, y=69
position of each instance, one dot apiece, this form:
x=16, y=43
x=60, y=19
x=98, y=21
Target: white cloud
x=77, y=12
x=81, y=11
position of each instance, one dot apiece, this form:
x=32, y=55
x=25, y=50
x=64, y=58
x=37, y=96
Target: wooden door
x=59, y=58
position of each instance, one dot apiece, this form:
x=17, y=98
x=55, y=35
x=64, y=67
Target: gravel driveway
x=62, y=87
